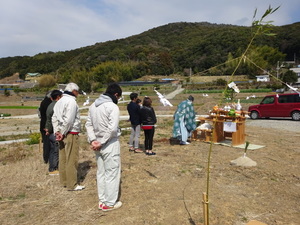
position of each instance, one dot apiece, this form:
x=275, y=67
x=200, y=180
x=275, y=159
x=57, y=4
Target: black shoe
x=150, y=153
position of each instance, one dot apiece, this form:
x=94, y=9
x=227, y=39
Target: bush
x=220, y=82
x=34, y=138
x=17, y=90
x=4, y=114
x=2, y=139
x=47, y=81
x=6, y=92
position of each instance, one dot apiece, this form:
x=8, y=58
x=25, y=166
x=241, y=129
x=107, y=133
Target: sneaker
x=100, y=205
x=53, y=173
x=184, y=143
x=109, y=208
x=78, y=188
x=137, y=150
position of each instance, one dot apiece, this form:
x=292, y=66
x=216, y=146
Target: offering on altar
x=232, y=113
x=216, y=108
x=227, y=107
x=204, y=126
x=238, y=106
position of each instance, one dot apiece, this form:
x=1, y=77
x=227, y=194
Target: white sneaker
x=184, y=143
x=106, y=208
x=79, y=188
x=53, y=173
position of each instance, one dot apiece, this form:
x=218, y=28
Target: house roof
x=262, y=76
x=33, y=74
x=296, y=70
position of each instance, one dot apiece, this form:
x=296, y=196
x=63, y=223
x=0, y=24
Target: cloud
x=31, y=27
x=48, y=26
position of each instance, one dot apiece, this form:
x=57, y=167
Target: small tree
x=16, y=90
x=289, y=77
x=220, y=82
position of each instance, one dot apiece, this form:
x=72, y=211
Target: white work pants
x=184, y=132
x=109, y=172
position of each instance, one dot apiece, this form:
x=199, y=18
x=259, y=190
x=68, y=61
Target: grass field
x=18, y=107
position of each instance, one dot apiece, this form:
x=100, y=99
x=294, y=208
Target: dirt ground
x=163, y=189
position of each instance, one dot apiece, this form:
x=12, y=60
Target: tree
x=82, y=78
x=289, y=77
x=258, y=59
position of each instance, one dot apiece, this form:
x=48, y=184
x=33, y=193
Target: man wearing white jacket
x=66, y=126
x=103, y=135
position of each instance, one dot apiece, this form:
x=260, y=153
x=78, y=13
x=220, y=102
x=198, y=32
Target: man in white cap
x=66, y=126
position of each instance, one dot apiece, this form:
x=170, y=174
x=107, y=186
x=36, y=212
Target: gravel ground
x=276, y=123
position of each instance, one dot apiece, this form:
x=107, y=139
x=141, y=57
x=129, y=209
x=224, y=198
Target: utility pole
x=277, y=69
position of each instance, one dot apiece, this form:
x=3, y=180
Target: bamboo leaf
x=254, y=15
x=246, y=146
x=270, y=34
x=276, y=9
x=267, y=12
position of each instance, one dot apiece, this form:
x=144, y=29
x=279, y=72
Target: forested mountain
x=163, y=50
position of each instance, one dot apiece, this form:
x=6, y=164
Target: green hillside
x=169, y=49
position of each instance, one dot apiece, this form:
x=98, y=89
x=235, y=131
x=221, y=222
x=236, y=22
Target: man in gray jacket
x=66, y=126
x=103, y=135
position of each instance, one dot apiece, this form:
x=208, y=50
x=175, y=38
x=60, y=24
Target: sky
x=29, y=27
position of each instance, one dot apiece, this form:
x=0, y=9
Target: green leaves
x=264, y=27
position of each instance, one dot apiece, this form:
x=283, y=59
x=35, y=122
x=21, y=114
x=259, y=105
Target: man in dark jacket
x=45, y=139
x=134, y=116
x=54, y=145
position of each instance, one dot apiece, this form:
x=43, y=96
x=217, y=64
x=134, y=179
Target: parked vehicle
x=278, y=105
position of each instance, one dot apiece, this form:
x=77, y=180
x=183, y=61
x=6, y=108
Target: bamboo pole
x=205, y=208
x=260, y=25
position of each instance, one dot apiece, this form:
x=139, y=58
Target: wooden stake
x=205, y=208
